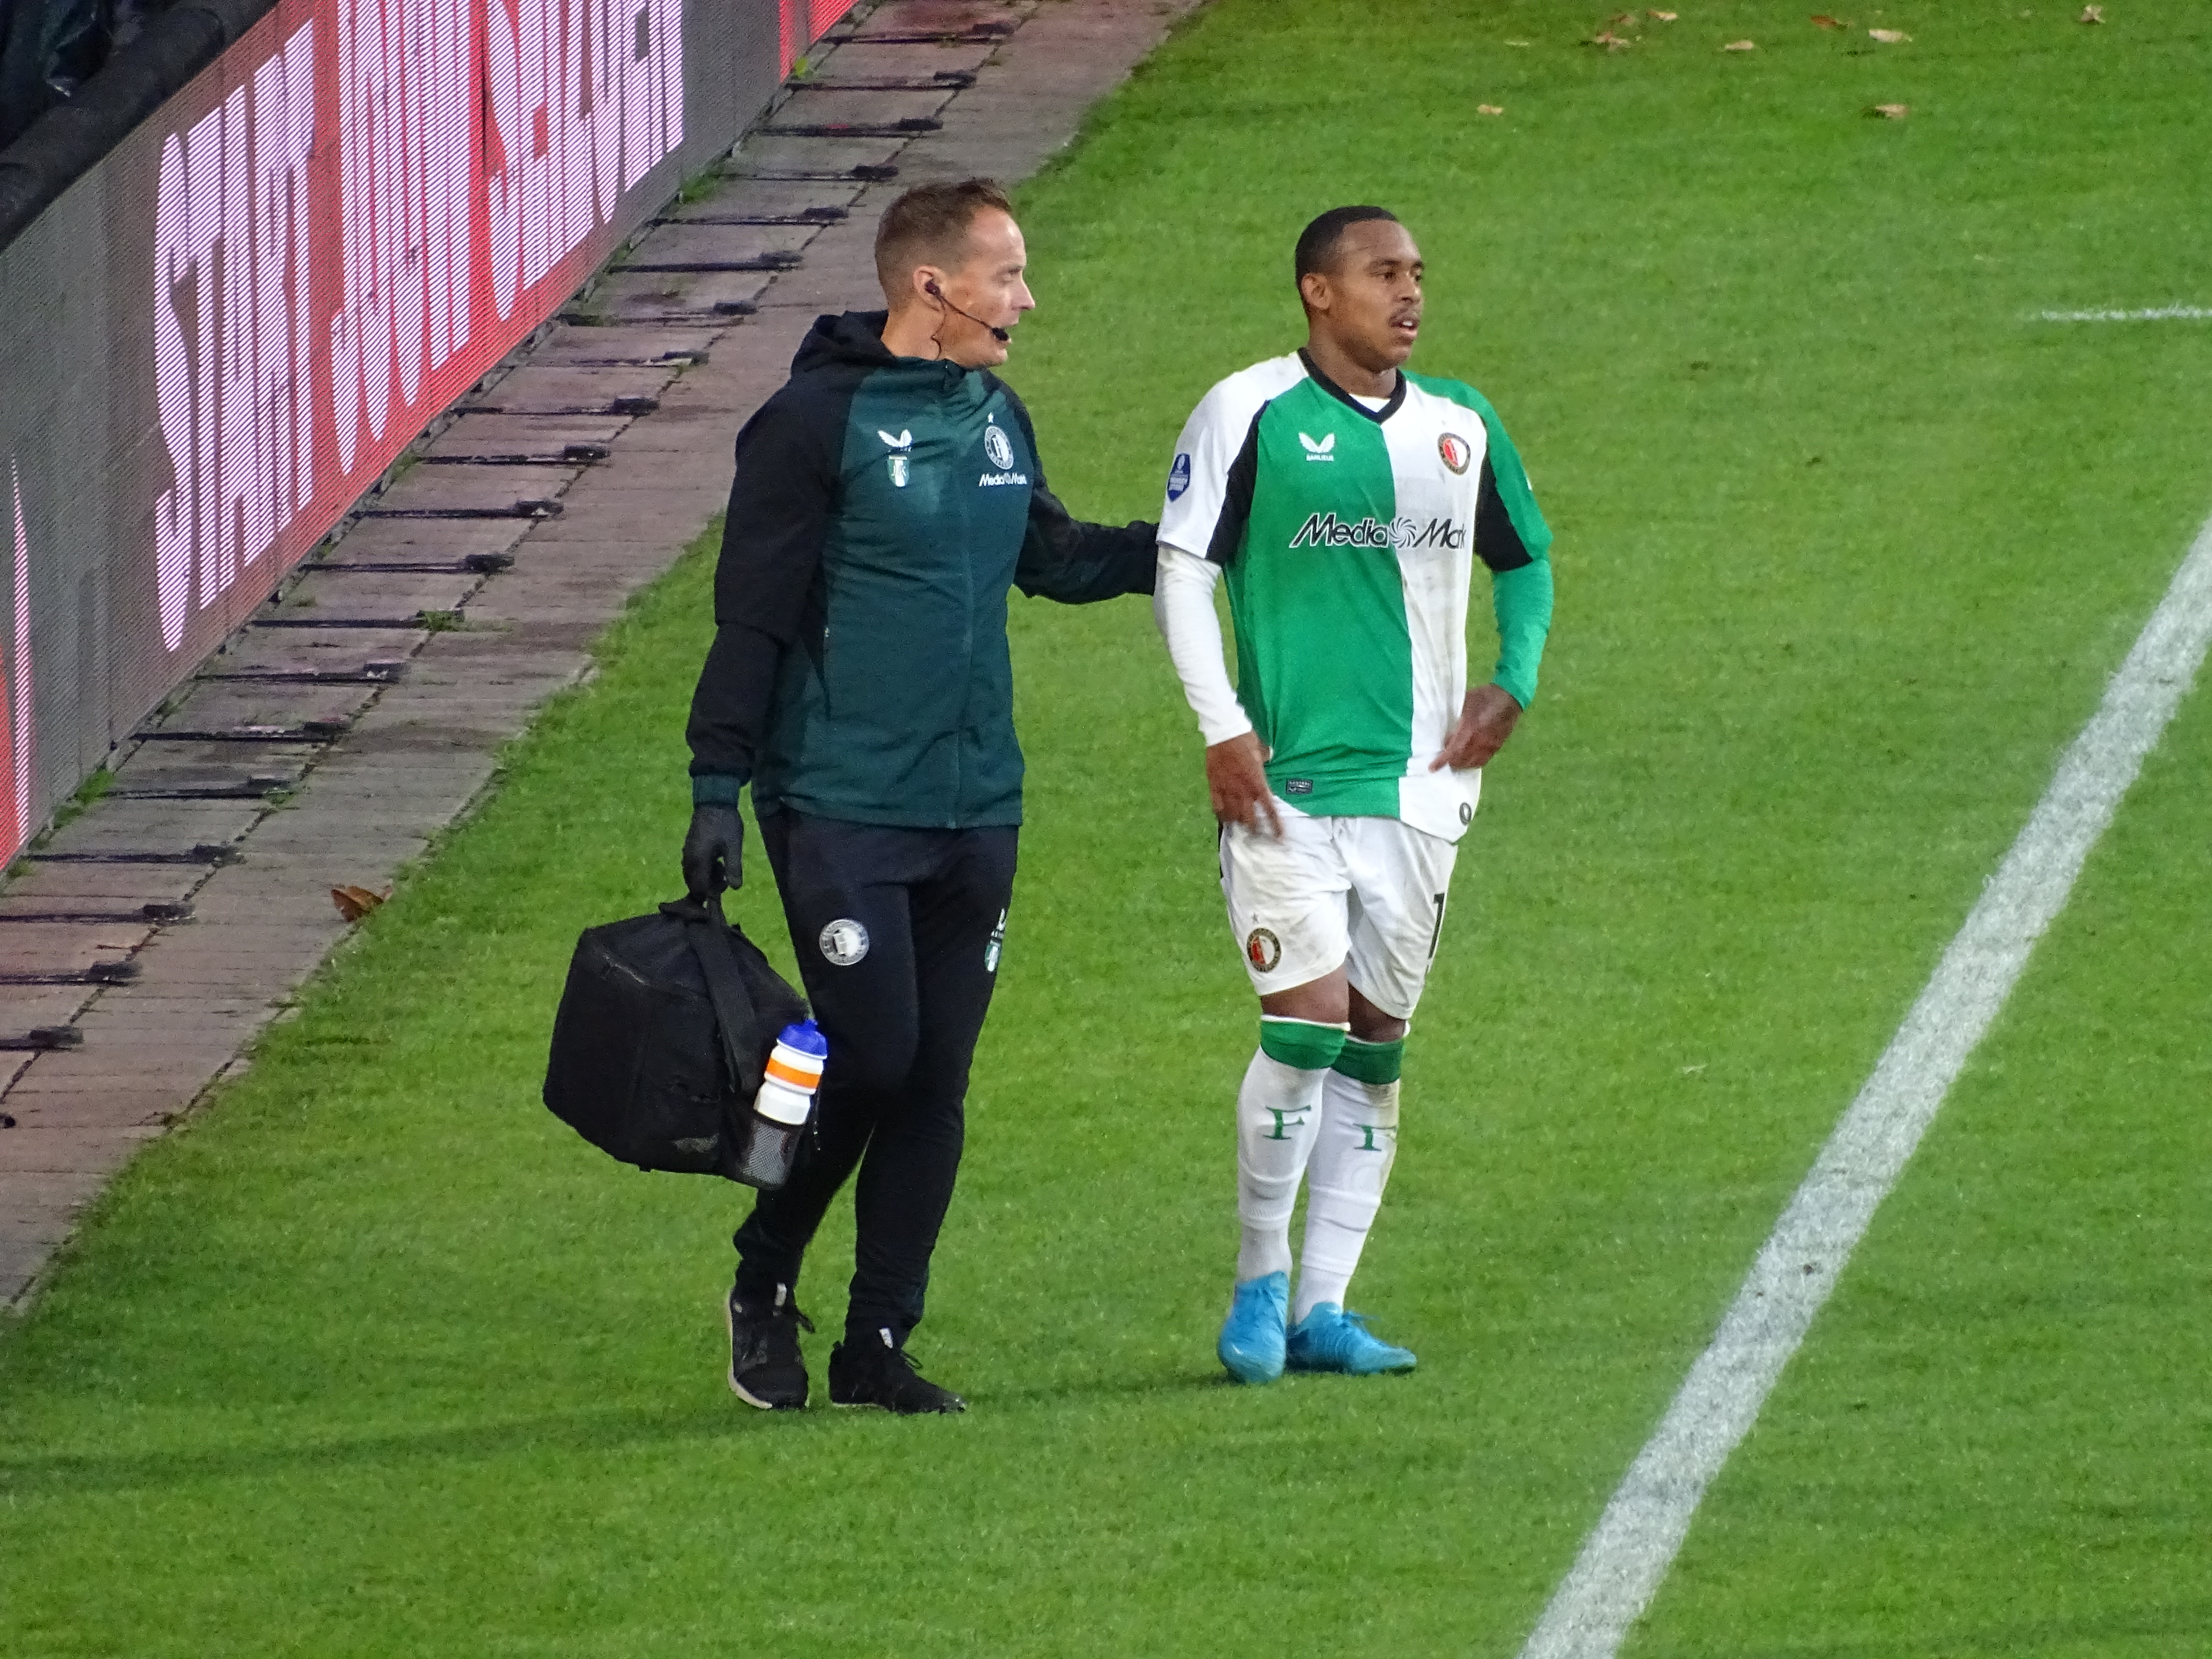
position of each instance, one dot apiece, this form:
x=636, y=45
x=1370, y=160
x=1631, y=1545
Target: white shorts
x=1366, y=894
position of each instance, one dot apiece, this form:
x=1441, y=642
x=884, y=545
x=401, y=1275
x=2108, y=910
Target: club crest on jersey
x=898, y=462
x=1263, y=950
x=997, y=446
x=1179, y=477
x=1456, y=450
x=1320, y=449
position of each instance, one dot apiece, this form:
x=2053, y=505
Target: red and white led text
x=356, y=231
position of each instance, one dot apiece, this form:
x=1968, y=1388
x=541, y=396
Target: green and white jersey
x=1348, y=536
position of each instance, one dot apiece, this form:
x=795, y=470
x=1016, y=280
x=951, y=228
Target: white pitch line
x=2153, y=315
x=1626, y=1556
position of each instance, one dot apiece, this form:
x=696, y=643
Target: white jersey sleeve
x=1182, y=605
x=1197, y=480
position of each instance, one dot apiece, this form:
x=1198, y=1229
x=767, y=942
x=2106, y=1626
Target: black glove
x=714, y=852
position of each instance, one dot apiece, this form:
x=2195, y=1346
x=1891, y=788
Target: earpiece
x=929, y=286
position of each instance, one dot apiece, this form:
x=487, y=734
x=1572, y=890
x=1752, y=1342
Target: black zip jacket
x=883, y=507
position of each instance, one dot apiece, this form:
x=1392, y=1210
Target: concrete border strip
x=1629, y=1552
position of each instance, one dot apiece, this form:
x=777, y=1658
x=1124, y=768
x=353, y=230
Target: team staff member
x=886, y=498
x=1346, y=500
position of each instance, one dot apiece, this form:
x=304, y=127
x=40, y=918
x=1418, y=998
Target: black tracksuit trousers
x=901, y=1013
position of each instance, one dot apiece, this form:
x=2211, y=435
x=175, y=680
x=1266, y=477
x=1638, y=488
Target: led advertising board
x=217, y=339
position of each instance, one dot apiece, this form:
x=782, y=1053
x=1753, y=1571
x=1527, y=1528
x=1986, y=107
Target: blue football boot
x=1251, y=1344
x=1330, y=1340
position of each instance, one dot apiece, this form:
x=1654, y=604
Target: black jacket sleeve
x=1066, y=559
x=729, y=710
x=781, y=500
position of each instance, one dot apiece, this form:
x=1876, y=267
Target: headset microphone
x=938, y=295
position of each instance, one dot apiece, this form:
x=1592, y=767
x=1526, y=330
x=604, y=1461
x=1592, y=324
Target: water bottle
x=784, y=1105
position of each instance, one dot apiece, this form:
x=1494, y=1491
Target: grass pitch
x=375, y=1357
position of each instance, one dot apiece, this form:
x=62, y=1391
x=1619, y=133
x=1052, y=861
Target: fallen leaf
x=1890, y=111
x=355, y=903
x=1890, y=37
x=2092, y=13
x=1821, y=19
x=1516, y=43
x=1663, y=16
x=1740, y=45
x=1618, y=18
x=1610, y=41
x=1490, y=109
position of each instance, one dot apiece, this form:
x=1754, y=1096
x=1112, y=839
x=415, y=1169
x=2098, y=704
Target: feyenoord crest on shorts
x=1348, y=535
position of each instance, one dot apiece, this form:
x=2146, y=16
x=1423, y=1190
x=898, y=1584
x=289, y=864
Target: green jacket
x=882, y=509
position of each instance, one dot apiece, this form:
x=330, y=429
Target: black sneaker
x=870, y=1372
x=765, y=1367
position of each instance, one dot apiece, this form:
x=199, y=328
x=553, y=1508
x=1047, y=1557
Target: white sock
x=1278, y=1115
x=1348, y=1169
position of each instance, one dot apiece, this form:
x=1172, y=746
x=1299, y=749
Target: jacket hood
x=852, y=337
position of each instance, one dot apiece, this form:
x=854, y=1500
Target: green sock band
x=1300, y=1043
x=1371, y=1062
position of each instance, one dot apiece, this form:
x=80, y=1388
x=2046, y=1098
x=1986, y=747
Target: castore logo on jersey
x=1320, y=449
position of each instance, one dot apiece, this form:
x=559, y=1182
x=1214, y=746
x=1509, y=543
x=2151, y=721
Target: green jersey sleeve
x=1511, y=537
x=1523, y=601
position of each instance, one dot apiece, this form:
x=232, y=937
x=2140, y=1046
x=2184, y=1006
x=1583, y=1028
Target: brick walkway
x=147, y=942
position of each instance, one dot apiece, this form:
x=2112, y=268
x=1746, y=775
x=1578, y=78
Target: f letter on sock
x=1278, y=1113
x=1355, y=1145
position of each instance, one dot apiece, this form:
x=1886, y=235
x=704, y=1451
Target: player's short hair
x=928, y=225
x=1316, y=249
